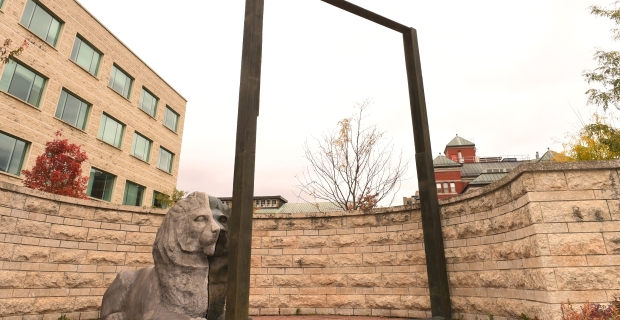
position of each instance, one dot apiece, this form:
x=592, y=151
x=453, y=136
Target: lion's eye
x=222, y=219
x=200, y=219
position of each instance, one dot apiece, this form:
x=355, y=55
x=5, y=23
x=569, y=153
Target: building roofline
x=126, y=47
x=257, y=198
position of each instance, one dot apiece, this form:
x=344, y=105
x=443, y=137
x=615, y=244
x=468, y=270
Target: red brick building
x=460, y=169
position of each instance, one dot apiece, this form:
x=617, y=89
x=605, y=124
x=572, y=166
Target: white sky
x=504, y=74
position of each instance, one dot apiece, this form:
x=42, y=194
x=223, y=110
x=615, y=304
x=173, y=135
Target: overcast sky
x=504, y=74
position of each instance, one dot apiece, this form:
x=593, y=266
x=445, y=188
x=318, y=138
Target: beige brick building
x=77, y=77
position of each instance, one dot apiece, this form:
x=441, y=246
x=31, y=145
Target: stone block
x=54, y=305
x=76, y=212
x=614, y=209
x=550, y=181
x=277, y=261
x=385, y=238
x=294, y=281
x=329, y=280
x=105, y=257
x=575, y=211
x=279, y=242
x=399, y=280
x=364, y=280
x=39, y=205
x=111, y=216
x=311, y=241
x=6, y=251
x=308, y=301
x=139, y=238
x=394, y=218
x=145, y=219
x=7, y=224
x=342, y=260
x=68, y=232
x=327, y=223
x=576, y=244
x=92, y=303
x=591, y=179
x=346, y=240
x=106, y=236
x=409, y=258
x=383, y=301
x=31, y=253
x=45, y=280
x=32, y=228
x=83, y=280
x=17, y=306
x=363, y=221
x=139, y=259
x=259, y=301
x=347, y=301
x=11, y=279
x=612, y=242
x=588, y=278
x=311, y=260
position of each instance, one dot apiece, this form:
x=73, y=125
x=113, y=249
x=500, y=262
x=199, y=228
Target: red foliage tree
x=59, y=169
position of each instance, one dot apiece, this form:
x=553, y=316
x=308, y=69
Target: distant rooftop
x=302, y=207
x=443, y=161
x=459, y=142
x=487, y=178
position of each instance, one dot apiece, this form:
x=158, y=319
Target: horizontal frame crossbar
x=369, y=15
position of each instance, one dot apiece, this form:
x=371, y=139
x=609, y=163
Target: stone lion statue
x=188, y=280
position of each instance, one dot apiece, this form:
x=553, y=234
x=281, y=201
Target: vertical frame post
x=431, y=220
x=240, y=246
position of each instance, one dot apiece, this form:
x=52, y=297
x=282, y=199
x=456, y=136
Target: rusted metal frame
x=238, y=289
x=429, y=204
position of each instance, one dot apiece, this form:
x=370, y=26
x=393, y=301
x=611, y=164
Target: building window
x=439, y=188
x=141, y=147
x=171, y=119
x=165, y=160
x=12, y=152
x=157, y=199
x=85, y=56
x=133, y=194
x=445, y=187
x=22, y=82
x=148, y=102
x=72, y=110
x=257, y=203
x=452, y=187
x=120, y=82
x=111, y=131
x=100, y=184
x=41, y=22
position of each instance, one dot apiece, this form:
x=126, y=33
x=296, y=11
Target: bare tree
x=353, y=166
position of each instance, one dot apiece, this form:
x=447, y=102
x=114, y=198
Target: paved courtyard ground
x=321, y=318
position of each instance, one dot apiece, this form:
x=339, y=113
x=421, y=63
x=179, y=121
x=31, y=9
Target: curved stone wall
x=544, y=234
x=59, y=254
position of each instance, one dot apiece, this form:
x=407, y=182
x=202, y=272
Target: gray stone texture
x=188, y=280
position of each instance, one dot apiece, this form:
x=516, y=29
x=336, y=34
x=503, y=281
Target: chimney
x=537, y=156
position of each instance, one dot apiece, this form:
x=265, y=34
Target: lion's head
x=189, y=232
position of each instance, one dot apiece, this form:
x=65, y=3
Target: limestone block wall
x=58, y=254
x=544, y=234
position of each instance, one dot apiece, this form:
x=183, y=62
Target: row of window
x=28, y=85
x=447, y=187
x=101, y=186
x=265, y=203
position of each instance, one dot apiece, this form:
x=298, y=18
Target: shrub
x=592, y=311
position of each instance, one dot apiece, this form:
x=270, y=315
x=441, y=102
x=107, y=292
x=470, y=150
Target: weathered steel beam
x=238, y=291
x=369, y=15
x=429, y=205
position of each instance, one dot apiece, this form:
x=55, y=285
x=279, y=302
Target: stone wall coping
x=510, y=177
x=530, y=168
x=74, y=201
